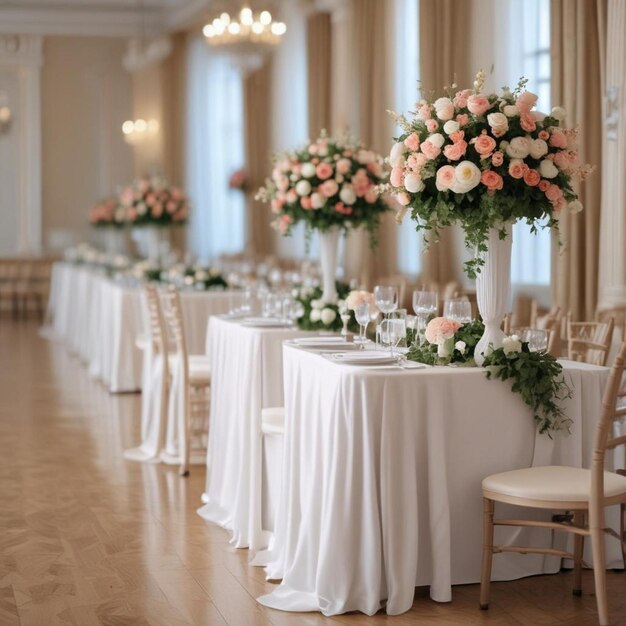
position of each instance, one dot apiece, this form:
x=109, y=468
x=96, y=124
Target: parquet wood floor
x=88, y=538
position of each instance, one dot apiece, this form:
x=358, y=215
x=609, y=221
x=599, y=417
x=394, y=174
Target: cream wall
x=86, y=95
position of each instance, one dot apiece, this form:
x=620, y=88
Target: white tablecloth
x=382, y=479
x=246, y=376
x=99, y=319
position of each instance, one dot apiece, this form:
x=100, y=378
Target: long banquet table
x=246, y=376
x=382, y=474
x=99, y=319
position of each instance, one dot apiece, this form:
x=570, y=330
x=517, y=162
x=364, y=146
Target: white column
x=21, y=56
x=612, y=278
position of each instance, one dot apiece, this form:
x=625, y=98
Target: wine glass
x=537, y=339
x=386, y=298
x=392, y=331
x=425, y=304
x=362, y=316
x=458, y=309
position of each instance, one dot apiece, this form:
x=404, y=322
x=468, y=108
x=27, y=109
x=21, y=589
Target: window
x=406, y=94
x=529, y=21
x=215, y=149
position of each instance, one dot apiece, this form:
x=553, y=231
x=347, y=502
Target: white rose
x=518, y=148
x=460, y=346
x=498, y=121
x=317, y=201
x=466, y=177
x=575, y=206
x=444, y=108
x=293, y=177
x=347, y=195
x=413, y=183
x=510, y=110
x=317, y=304
x=328, y=316
x=511, y=345
x=201, y=275
x=339, y=178
x=142, y=208
x=308, y=170
x=396, y=156
x=538, y=148
x=322, y=151
x=548, y=169
x=451, y=126
x=437, y=139
x=315, y=315
x=303, y=188
x=558, y=113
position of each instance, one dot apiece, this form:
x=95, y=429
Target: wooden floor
x=88, y=538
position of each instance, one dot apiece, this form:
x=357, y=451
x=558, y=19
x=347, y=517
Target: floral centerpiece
x=536, y=376
x=107, y=213
x=320, y=315
x=485, y=161
x=238, y=180
x=330, y=184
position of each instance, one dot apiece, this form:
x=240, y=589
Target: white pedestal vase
x=493, y=290
x=152, y=241
x=329, y=245
x=115, y=240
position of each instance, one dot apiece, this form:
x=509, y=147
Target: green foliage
x=537, y=377
x=469, y=333
x=307, y=297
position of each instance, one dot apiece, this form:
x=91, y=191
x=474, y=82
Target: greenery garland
x=537, y=376
x=322, y=316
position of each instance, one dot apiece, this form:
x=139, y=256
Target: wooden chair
x=195, y=377
x=583, y=491
x=589, y=341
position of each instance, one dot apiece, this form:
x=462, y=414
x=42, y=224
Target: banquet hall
x=312, y=312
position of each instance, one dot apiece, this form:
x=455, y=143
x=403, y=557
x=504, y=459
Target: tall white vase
x=329, y=245
x=493, y=290
x=115, y=240
x=152, y=241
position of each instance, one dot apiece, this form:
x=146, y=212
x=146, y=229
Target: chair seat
x=552, y=483
x=273, y=420
x=199, y=368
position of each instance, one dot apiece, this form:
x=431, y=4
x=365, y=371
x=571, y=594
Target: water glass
x=392, y=331
x=458, y=309
x=425, y=304
x=386, y=298
x=537, y=339
x=362, y=316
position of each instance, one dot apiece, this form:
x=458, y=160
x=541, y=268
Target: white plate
x=313, y=341
x=265, y=322
x=365, y=357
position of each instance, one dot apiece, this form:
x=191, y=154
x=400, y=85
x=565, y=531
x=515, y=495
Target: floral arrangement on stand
x=320, y=315
x=239, y=180
x=204, y=278
x=107, y=213
x=536, y=376
x=483, y=160
x=331, y=185
x=153, y=202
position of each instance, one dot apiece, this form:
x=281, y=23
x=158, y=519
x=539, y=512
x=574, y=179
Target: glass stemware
x=386, y=298
x=362, y=316
x=458, y=309
x=425, y=304
x=537, y=339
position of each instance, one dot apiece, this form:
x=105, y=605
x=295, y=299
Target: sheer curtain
x=214, y=150
x=529, y=23
x=406, y=65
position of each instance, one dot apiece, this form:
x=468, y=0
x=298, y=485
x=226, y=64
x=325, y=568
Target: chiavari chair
x=589, y=342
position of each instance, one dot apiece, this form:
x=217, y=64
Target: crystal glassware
x=386, y=298
x=362, y=316
x=536, y=338
x=425, y=304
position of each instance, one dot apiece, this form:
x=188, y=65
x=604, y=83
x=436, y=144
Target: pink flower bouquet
x=482, y=160
x=356, y=298
x=327, y=183
x=440, y=332
x=238, y=180
x=105, y=213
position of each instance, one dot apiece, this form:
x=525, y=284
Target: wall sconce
x=6, y=115
x=137, y=130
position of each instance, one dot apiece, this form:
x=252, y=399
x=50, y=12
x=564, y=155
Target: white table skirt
x=382, y=480
x=246, y=376
x=99, y=320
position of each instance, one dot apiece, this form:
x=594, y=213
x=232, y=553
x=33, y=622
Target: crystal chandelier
x=246, y=39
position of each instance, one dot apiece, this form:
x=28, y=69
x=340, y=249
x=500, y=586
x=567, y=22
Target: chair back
x=605, y=438
x=589, y=341
x=158, y=334
x=174, y=319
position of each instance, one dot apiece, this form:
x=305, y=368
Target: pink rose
x=554, y=193
x=532, y=177
x=157, y=210
x=324, y=171
x=525, y=102
x=484, y=144
x=516, y=168
x=431, y=125
x=150, y=199
x=423, y=111
x=277, y=205
x=284, y=222
x=132, y=214
x=457, y=135
x=445, y=177
x=544, y=185
x=462, y=119
x=497, y=158
x=430, y=150
x=291, y=196
x=371, y=196
x=171, y=207
x=282, y=184
x=440, y=329
x=561, y=160
x=402, y=198
x=558, y=139
x=412, y=142
x=329, y=188
x=306, y=202
x=455, y=151
x=492, y=180
x=416, y=161
x=544, y=134
x=340, y=207
x=375, y=169
x=527, y=122
x=396, y=178
x=460, y=99
x=344, y=166
x=478, y=104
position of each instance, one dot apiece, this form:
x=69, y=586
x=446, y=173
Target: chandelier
x=249, y=28
x=135, y=131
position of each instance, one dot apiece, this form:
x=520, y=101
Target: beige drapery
x=319, y=55
x=444, y=53
x=578, y=41
x=257, y=116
